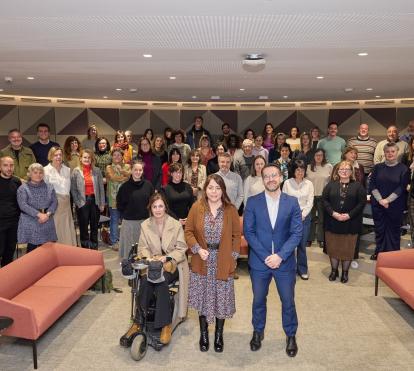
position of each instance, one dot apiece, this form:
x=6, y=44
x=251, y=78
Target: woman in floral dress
x=212, y=233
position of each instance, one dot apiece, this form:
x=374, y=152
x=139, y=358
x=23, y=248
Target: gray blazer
x=77, y=187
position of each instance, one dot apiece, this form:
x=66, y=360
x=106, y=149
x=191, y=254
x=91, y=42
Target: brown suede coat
x=229, y=242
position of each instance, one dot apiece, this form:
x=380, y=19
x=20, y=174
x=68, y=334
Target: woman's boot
x=204, y=342
x=218, y=335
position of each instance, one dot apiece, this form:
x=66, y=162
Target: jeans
x=302, y=259
x=114, y=214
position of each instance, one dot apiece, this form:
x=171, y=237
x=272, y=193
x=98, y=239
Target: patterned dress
x=211, y=297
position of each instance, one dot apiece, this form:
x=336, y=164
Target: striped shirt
x=366, y=150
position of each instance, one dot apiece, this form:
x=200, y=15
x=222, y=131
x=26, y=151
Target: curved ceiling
x=87, y=49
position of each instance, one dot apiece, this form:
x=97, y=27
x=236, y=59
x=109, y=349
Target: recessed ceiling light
x=363, y=54
x=215, y=97
x=118, y=89
x=133, y=90
x=285, y=97
x=1, y=89
x=147, y=55
x=319, y=77
x=348, y=90
x=173, y=77
x=263, y=97
x=369, y=89
x=378, y=96
x=194, y=96
x=105, y=97
x=30, y=78
x=242, y=89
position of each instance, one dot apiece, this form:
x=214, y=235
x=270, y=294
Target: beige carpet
x=341, y=327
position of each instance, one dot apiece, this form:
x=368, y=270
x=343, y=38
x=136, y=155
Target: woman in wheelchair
x=161, y=239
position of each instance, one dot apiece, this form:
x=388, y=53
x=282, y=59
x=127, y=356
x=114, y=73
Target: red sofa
x=38, y=288
x=396, y=270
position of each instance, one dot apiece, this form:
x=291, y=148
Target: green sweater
x=22, y=162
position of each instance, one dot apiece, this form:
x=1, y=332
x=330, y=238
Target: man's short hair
x=332, y=123
x=225, y=154
x=224, y=124
x=14, y=130
x=198, y=117
x=43, y=125
x=390, y=145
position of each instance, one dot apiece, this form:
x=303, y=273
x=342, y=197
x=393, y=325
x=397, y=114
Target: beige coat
x=172, y=243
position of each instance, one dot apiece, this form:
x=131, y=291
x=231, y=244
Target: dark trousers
x=302, y=259
x=316, y=229
x=285, y=284
x=387, y=224
x=8, y=241
x=88, y=219
x=163, y=315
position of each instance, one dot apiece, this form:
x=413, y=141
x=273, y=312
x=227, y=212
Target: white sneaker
x=354, y=264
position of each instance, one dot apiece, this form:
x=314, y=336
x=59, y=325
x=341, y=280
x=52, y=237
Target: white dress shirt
x=272, y=208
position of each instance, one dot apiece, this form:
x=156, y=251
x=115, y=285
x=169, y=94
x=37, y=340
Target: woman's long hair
x=219, y=180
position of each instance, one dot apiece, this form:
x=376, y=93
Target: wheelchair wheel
x=139, y=347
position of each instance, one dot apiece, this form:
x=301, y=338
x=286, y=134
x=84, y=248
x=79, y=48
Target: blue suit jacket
x=259, y=233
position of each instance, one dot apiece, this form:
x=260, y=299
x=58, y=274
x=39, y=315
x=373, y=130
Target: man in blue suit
x=272, y=226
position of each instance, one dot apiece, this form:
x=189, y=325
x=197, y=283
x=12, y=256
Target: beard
x=272, y=187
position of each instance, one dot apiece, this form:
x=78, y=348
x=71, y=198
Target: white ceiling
x=87, y=49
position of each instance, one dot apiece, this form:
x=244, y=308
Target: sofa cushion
x=47, y=303
x=25, y=271
x=79, y=277
x=401, y=281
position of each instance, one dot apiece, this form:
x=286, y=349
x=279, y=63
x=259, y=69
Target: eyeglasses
x=270, y=176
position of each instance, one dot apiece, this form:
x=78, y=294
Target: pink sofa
x=396, y=269
x=38, y=288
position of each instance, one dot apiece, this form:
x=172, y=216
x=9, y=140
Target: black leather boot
x=344, y=277
x=333, y=275
x=204, y=342
x=218, y=335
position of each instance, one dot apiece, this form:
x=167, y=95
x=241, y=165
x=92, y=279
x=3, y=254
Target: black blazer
x=355, y=200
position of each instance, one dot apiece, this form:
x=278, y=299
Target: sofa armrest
x=403, y=259
x=24, y=325
x=73, y=255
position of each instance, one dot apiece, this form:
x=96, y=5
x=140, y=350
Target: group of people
x=290, y=189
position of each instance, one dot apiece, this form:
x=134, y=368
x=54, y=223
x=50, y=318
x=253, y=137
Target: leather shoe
x=128, y=337
x=291, y=346
x=256, y=342
x=304, y=276
x=373, y=257
x=165, y=336
x=344, y=277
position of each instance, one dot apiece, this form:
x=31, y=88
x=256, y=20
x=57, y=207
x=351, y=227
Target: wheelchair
x=139, y=341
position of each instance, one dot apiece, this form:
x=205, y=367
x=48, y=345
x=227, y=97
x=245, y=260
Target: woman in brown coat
x=212, y=232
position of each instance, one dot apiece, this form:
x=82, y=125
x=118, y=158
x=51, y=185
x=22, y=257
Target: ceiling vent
x=252, y=105
x=189, y=105
x=407, y=101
